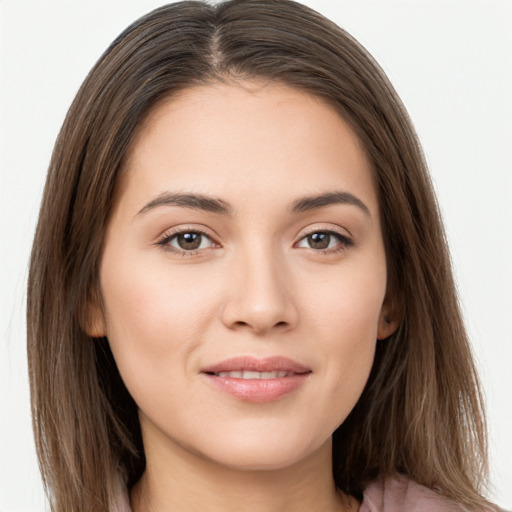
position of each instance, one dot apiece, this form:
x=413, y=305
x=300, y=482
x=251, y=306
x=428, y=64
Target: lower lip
x=258, y=390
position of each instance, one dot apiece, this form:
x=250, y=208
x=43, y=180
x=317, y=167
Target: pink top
x=403, y=495
x=397, y=494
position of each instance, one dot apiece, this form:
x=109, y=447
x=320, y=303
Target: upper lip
x=249, y=363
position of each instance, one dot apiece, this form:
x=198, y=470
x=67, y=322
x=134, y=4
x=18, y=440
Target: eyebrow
x=216, y=205
x=330, y=198
x=194, y=201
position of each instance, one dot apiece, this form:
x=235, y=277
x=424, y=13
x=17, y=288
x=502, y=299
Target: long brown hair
x=421, y=411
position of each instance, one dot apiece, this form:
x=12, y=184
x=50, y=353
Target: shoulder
x=400, y=494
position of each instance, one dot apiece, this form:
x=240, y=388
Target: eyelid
x=324, y=228
x=169, y=234
x=346, y=239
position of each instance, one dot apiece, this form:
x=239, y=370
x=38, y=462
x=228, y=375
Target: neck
x=179, y=481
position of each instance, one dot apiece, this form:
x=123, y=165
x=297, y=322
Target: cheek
x=148, y=297
x=349, y=301
x=154, y=318
x=346, y=319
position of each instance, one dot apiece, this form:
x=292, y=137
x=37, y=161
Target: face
x=243, y=275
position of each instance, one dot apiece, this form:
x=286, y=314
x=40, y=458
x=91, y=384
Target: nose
x=260, y=295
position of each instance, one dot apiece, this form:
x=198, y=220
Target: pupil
x=189, y=241
x=319, y=240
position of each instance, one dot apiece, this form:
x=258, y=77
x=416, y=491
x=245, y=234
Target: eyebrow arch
x=194, y=201
x=319, y=201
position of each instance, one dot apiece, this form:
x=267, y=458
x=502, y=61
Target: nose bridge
x=260, y=297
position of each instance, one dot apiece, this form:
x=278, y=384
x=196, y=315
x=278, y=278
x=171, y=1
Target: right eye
x=187, y=242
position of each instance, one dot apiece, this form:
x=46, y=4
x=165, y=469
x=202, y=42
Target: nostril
x=241, y=323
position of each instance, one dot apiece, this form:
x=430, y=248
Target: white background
x=451, y=63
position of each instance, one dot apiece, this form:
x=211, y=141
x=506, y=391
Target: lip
x=257, y=390
x=249, y=363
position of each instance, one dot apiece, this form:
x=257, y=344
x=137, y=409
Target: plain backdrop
x=451, y=62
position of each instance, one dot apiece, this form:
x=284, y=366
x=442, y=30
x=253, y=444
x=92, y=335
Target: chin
x=255, y=453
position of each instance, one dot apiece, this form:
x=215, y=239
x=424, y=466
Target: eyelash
x=164, y=242
x=344, y=242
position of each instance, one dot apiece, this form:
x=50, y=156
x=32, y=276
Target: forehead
x=250, y=136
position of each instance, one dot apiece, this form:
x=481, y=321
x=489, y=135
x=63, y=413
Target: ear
x=389, y=317
x=92, y=318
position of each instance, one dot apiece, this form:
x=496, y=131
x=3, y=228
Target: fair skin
x=262, y=271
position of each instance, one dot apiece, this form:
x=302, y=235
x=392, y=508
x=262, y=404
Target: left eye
x=322, y=240
x=188, y=241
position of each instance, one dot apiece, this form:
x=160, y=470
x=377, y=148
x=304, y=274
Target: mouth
x=257, y=380
x=248, y=374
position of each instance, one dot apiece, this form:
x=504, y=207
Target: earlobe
x=387, y=326
x=389, y=319
x=92, y=319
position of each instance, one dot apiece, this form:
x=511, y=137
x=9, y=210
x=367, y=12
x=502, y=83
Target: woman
x=240, y=283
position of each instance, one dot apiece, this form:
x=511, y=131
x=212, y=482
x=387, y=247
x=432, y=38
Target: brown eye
x=319, y=240
x=187, y=241
x=325, y=240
